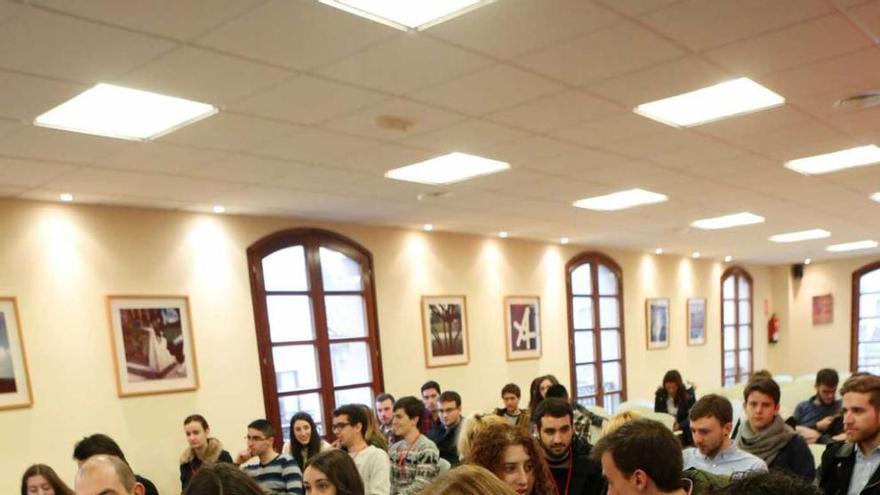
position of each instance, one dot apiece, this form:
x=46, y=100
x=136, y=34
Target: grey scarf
x=767, y=442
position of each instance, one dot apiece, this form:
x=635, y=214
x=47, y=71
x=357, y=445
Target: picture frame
x=445, y=331
x=823, y=309
x=15, y=381
x=153, y=347
x=657, y=322
x=696, y=321
x=522, y=327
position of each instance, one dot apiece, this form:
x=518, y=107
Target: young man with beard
x=765, y=435
x=430, y=422
x=711, y=420
x=349, y=424
x=851, y=466
x=384, y=413
x=568, y=456
x=815, y=417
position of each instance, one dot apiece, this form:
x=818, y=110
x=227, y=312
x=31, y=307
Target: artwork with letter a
x=444, y=328
x=522, y=327
x=152, y=340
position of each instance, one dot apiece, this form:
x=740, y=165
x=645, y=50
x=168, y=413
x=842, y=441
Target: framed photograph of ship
x=522, y=327
x=15, y=383
x=445, y=332
x=152, y=344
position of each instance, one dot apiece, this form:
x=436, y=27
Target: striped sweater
x=281, y=475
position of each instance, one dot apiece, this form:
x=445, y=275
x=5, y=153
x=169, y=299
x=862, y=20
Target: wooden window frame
x=854, y=315
x=738, y=271
x=312, y=239
x=594, y=259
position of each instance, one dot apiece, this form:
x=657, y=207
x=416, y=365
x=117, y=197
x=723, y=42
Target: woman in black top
x=676, y=399
x=202, y=449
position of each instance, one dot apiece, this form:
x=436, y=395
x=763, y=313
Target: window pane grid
x=736, y=319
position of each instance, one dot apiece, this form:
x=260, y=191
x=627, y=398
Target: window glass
x=285, y=270
x=290, y=318
x=339, y=272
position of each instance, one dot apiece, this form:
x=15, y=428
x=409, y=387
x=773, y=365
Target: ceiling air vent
x=864, y=99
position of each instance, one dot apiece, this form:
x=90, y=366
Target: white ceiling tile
x=861, y=124
x=307, y=100
x=673, y=145
x=44, y=43
x=50, y=194
x=25, y=97
x=9, y=126
x=529, y=150
x=576, y=164
x=635, y=7
x=389, y=189
x=300, y=34
x=510, y=28
x=320, y=179
x=794, y=142
x=611, y=52
x=851, y=72
x=801, y=44
x=30, y=173
x=405, y=63
x=488, y=90
x=229, y=131
x=661, y=81
x=867, y=16
x=314, y=146
x=555, y=111
x=365, y=123
x=9, y=10
x=469, y=136
x=204, y=76
x=153, y=186
x=173, y=18
x=53, y=145
x=154, y=157
x=246, y=169
x=754, y=123
x=701, y=25
x=382, y=158
x=625, y=125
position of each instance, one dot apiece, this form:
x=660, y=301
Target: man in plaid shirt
x=429, y=423
x=413, y=459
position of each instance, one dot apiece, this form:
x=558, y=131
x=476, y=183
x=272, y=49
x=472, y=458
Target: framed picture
x=153, y=345
x=444, y=327
x=15, y=383
x=522, y=327
x=823, y=309
x=696, y=320
x=657, y=311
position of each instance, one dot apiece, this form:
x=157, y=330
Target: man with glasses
x=275, y=473
x=446, y=433
x=349, y=424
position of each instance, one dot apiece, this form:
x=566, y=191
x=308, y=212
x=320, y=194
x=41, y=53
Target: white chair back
x=642, y=406
x=780, y=379
x=666, y=419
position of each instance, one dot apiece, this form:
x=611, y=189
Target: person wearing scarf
x=765, y=435
x=202, y=449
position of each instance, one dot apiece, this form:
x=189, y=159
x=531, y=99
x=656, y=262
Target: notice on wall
x=823, y=309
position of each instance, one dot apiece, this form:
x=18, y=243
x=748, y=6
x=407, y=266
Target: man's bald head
x=106, y=475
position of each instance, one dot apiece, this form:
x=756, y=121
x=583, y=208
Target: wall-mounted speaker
x=797, y=271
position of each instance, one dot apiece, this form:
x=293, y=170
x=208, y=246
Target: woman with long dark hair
x=305, y=441
x=538, y=391
x=203, y=449
x=332, y=473
x=40, y=479
x=677, y=399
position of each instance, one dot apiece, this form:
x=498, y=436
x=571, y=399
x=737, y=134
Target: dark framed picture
x=657, y=319
x=522, y=327
x=15, y=382
x=152, y=344
x=696, y=321
x=444, y=328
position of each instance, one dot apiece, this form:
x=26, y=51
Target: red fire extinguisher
x=773, y=329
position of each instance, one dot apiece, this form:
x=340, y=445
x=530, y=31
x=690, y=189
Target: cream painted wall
x=60, y=261
x=804, y=347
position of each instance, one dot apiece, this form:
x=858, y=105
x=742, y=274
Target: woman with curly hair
x=514, y=457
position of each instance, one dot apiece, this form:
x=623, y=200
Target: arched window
x=317, y=333
x=595, y=330
x=736, y=326
x=866, y=319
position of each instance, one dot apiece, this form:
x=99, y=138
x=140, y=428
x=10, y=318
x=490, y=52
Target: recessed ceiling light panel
x=727, y=221
x=838, y=160
x=716, y=102
x=876, y=197
x=407, y=14
x=802, y=235
x=447, y=169
x=621, y=200
x=851, y=246
x=124, y=113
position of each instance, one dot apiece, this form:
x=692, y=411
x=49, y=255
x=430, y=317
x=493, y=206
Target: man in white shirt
x=711, y=421
x=373, y=464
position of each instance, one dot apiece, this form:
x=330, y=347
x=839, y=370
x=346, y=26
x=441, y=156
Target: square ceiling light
x=838, y=160
x=876, y=197
x=728, y=221
x=851, y=246
x=407, y=15
x=124, y=113
x=446, y=169
x=802, y=235
x=621, y=200
x=716, y=102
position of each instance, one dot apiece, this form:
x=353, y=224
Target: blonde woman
x=467, y=479
x=472, y=425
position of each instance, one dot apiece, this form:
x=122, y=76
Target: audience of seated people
x=818, y=418
x=767, y=436
x=711, y=421
x=636, y=455
x=675, y=398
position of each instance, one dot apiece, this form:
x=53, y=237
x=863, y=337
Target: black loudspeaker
x=797, y=271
